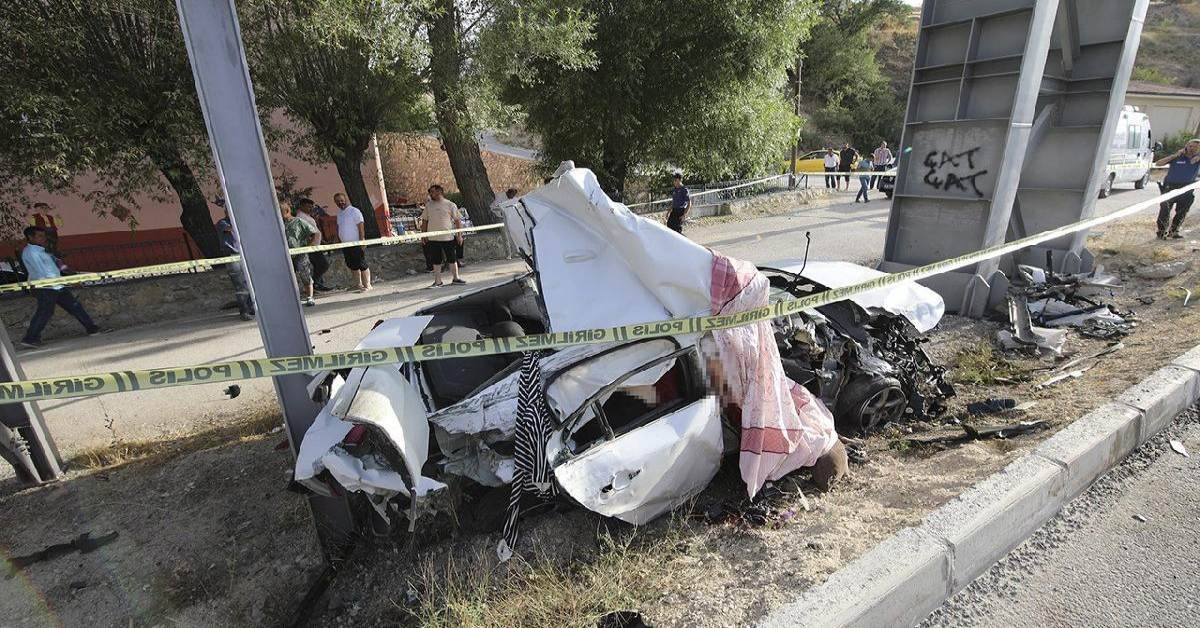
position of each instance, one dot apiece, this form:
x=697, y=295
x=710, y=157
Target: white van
x=1132, y=152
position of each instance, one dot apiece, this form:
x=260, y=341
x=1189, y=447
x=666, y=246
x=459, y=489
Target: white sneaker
x=309, y=302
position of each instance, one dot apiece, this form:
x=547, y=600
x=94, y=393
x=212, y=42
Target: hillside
x=1170, y=50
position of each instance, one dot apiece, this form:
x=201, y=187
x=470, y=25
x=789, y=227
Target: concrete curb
x=911, y=573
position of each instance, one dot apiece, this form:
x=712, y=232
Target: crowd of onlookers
x=302, y=226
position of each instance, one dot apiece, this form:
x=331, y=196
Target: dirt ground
x=212, y=537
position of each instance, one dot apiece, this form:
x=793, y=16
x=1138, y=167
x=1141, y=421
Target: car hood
x=599, y=264
x=920, y=305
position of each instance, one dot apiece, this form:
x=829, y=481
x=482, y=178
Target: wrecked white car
x=636, y=428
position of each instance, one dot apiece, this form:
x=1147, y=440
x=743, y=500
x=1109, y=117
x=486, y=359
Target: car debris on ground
x=628, y=429
x=1043, y=304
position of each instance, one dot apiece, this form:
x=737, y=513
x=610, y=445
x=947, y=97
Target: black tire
x=1142, y=182
x=867, y=403
x=1106, y=189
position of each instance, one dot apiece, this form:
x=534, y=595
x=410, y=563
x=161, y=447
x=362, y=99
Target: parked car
x=638, y=425
x=813, y=162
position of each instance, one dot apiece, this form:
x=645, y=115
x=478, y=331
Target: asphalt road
x=1126, y=553
x=842, y=230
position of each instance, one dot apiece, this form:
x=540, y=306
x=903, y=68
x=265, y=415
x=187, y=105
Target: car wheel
x=868, y=403
x=1142, y=182
x=1106, y=189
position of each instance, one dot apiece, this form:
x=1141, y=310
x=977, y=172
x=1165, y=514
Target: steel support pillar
x=25, y=443
x=218, y=58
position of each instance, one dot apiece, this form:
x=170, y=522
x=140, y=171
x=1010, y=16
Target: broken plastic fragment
x=1180, y=449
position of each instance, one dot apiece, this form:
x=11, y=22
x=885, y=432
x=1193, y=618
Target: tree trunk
x=613, y=175
x=194, y=217
x=349, y=166
x=455, y=124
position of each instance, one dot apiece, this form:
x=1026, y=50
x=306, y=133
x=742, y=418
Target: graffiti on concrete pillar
x=954, y=171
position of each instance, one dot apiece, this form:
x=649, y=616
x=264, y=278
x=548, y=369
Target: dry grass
x=982, y=365
x=119, y=453
x=472, y=590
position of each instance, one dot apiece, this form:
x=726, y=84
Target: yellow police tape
x=202, y=265
x=126, y=381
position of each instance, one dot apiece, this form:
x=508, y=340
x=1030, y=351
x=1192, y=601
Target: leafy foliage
x=696, y=84
x=102, y=86
x=848, y=96
x=344, y=69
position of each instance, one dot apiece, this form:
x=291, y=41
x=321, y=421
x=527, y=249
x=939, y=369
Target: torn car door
x=642, y=445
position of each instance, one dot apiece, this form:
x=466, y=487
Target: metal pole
x=214, y=45
x=796, y=105
x=24, y=440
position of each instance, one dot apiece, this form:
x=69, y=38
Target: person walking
x=441, y=214
x=351, y=228
x=300, y=233
x=882, y=158
x=681, y=204
x=848, y=157
x=831, y=165
x=231, y=245
x=41, y=265
x=307, y=211
x=1183, y=171
x=864, y=180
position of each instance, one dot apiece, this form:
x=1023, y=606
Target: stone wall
x=411, y=163
x=156, y=299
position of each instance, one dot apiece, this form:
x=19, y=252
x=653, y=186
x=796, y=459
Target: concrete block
x=1190, y=360
x=1166, y=393
x=1091, y=446
x=897, y=583
x=985, y=523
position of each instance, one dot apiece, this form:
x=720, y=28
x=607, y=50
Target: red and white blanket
x=784, y=427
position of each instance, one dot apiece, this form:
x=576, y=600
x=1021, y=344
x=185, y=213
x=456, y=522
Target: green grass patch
x=983, y=365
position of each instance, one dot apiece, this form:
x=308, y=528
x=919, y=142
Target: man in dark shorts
x=351, y=229
x=681, y=203
x=441, y=214
x=1184, y=168
x=847, y=159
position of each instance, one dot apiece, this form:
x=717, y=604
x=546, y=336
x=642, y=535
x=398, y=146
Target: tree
x=102, y=86
x=472, y=41
x=697, y=84
x=848, y=96
x=346, y=69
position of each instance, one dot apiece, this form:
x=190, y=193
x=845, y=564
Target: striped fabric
x=532, y=475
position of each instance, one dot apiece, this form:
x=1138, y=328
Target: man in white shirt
x=882, y=158
x=351, y=229
x=831, y=165
x=441, y=214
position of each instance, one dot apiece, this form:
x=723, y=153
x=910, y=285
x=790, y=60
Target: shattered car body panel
x=638, y=427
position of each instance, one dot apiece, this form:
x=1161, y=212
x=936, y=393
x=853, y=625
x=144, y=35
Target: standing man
x=848, y=157
x=441, y=214
x=1185, y=166
x=681, y=204
x=882, y=160
x=231, y=245
x=300, y=233
x=351, y=229
x=498, y=214
x=320, y=263
x=41, y=265
x=831, y=165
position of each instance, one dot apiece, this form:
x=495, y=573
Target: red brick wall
x=411, y=163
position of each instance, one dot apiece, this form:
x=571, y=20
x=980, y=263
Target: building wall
x=93, y=242
x=1169, y=115
x=412, y=163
